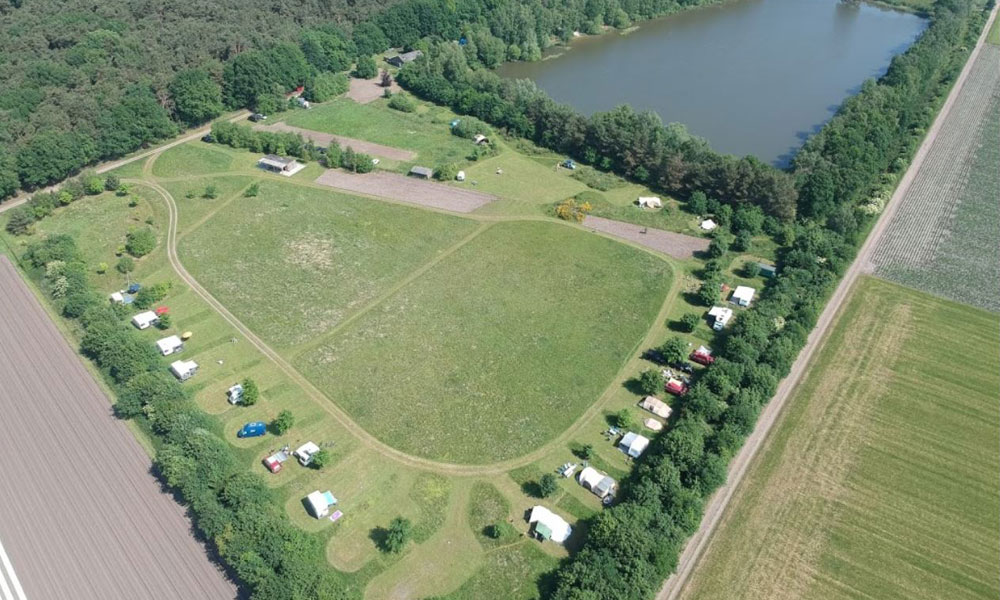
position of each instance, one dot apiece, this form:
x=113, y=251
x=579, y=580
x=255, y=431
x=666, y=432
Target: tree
x=742, y=241
x=718, y=246
x=20, y=220
x=140, y=242
x=102, y=268
x=624, y=419
x=396, y=536
x=674, y=350
x=385, y=80
x=651, y=382
x=252, y=190
x=210, y=192
x=365, y=68
x=689, y=322
x=324, y=86
x=151, y=294
x=697, y=203
x=250, y=392
x=547, y=485
x=446, y=171
x=125, y=265
x=163, y=323
x=402, y=103
x=500, y=530
x=283, y=422
x=111, y=182
x=9, y=181
x=247, y=76
x=320, y=459
x=93, y=184
x=708, y=293
x=586, y=451
x=197, y=97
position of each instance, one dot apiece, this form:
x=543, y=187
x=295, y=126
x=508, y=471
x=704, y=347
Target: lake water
x=753, y=76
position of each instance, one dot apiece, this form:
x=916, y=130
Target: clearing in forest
x=496, y=349
x=880, y=480
x=943, y=239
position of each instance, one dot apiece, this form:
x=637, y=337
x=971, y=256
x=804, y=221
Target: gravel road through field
x=716, y=506
x=81, y=516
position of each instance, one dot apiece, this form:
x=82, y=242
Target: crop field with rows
x=943, y=240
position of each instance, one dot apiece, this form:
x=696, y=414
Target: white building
x=117, y=298
x=656, y=406
x=320, y=503
x=743, y=295
x=633, y=444
x=281, y=165
x=548, y=525
x=305, y=453
x=183, y=369
x=649, y=202
x=144, y=319
x=169, y=345
x=720, y=316
x=598, y=483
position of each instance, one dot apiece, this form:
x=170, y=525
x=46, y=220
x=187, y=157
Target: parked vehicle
x=274, y=462
x=255, y=429
x=305, y=453
x=207, y=138
x=235, y=393
x=258, y=117
x=568, y=164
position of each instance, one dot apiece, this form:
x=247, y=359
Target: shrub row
x=232, y=509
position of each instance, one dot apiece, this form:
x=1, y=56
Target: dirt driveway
x=323, y=140
x=407, y=189
x=364, y=91
x=677, y=245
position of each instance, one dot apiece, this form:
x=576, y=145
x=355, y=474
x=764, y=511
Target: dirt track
x=716, y=506
x=323, y=140
x=80, y=514
x=407, y=189
x=673, y=244
x=364, y=91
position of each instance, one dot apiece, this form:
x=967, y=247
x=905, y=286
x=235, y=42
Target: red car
x=273, y=462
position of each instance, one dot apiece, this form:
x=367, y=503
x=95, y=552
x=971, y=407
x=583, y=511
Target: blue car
x=255, y=429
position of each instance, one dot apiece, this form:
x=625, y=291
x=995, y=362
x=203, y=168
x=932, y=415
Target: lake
x=753, y=76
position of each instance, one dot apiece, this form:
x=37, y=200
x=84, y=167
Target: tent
x=598, y=483
x=708, y=225
x=320, y=503
x=183, y=369
x=649, y=202
x=169, y=345
x=743, y=295
x=633, y=444
x=653, y=424
x=548, y=525
x=656, y=406
x=144, y=319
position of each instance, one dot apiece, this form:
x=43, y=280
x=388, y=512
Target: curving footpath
x=716, y=507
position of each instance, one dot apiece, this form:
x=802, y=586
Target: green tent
x=543, y=530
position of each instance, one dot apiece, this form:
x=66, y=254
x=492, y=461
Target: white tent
x=649, y=202
x=656, y=406
x=743, y=295
x=169, y=345
x=183, y=369
x=145, y=319
x=653, y=424
x=117, y=298
x=708, y=225
x=633, y=444
x=320, y=503
x=600, y=484
x=460, y=176
x=549, y=525
x=721, y=314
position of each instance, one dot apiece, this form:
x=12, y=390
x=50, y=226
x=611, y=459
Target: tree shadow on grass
x=532, y=489
x=380, y=536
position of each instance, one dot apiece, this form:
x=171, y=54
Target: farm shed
x=280, y=164
x=653, y=424
x=169, y=345
x=144, y=319
x=422, y=172
x=401, y=59
x=320, y=502
x=656, y=406
x=743, y=295
x=649, y=202
x=548, y=525
x=708, y=225
x=598, y=483
x=183, y=369
x=720, y=316
x=766, y=270
x=633, y=444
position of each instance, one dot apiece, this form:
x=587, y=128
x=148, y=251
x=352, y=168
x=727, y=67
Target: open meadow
x=943, y=239
x=881, y=478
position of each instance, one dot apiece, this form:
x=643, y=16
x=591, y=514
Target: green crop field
x=496, y=349
x=294, y=261
x=881, y=479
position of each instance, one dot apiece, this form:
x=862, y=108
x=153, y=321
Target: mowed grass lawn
x=294, y=262
x=427, y=131
x=497, y=348
x=881, y=479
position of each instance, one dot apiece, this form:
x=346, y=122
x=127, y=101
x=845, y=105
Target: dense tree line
x=233, y=510
x=632, y=547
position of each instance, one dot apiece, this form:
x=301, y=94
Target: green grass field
x=294, y=262
x=193, y=159
x=881, y=478
x=993, y=37
x=497, y=348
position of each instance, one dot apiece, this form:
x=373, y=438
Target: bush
x=718, y=246
x=470, y=127
x=402, y=102
x=547, y=485
x=742, y=241
x=252, y=190
x=446, y=171
x=651, y=382
x=320, y=459
x=251, y=393
x=283, y=422
x=397, y=535
x=570, y=210
x=125, y=265
x=163, y=323
x=365, y=68
x=674, y=350
x=20, y=221
x=624, y=419
x=501, y=530
x=210, y=192
x=140, y=242
x=326, y=86
x=151, y=294
x=357, y=162
x=102, y=268
x=597, y=180
x=93, y=185
x=689, y=322
x=111, y=183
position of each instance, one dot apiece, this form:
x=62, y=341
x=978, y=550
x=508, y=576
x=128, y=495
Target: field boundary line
x=716, y=507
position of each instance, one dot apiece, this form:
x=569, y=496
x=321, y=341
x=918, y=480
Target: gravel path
x=677, y=245
x=716, y=506
x=81, y=516
x=323, y=140
x=407, y=189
